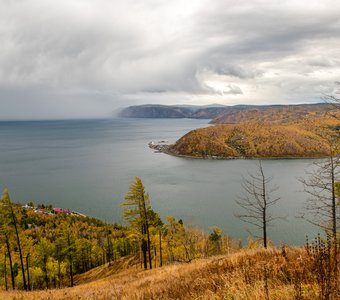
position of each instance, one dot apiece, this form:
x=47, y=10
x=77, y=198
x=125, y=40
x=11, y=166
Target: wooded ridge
x=285, y=132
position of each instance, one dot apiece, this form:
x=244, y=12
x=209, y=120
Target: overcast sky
x=85, y=58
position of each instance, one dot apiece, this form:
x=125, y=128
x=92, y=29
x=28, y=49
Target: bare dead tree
x=333, y=99
x=322, y=210
x=328, y=173
x=257, y=201
x=321, y=207
x=334, y=103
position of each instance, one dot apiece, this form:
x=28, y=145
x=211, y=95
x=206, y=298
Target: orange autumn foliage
x=282, y=135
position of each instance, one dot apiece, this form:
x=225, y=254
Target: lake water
x=87, y=166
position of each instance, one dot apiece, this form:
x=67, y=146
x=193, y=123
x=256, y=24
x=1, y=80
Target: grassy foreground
x=277, y=273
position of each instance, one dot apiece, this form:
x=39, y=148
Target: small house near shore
x=58, y=210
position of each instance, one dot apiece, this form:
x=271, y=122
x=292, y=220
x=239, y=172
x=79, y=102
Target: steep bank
x=281, y=134
x=252, y=141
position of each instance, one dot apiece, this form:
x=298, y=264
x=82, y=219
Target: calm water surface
x=87, y=166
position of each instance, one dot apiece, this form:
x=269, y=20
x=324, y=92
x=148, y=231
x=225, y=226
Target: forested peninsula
x=295, y=131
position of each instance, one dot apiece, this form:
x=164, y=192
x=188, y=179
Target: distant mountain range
x=178, y=111
x=219, y=114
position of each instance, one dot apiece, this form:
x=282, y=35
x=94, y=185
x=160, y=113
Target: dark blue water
x=87, y=166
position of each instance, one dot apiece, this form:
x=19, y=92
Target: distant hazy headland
x=218, y=113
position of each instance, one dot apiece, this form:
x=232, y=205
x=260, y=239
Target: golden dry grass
x=237, y=276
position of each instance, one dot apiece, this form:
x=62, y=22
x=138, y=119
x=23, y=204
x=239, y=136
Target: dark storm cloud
x=82, y=58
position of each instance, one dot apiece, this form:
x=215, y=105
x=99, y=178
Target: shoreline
x=166, y=149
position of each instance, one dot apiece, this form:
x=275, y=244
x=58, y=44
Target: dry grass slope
x=288, y=272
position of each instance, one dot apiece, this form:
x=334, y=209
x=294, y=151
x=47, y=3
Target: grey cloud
x=232, y=89
x=93, y=57
x=236, y=71
x=154, y=91
x=270, y=25
x=321, y=61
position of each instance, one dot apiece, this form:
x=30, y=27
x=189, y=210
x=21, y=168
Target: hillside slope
x=275, y=133
x=285, y=273
x=281, y=114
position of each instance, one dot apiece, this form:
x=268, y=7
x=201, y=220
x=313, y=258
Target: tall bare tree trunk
x=160, y=248
x=70, y=258
x=146, y=224
x=264, y=210
x=149, y=244
x=28, y=272
x=144, y=248
x=5, y=271
x=10, y=261
x=59, y=277
x=19, y=247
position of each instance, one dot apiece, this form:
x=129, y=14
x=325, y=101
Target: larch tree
x=44, y=250
x=9, y=212
x=215, y=239
x=181, y=240
x=257, y=201
x=4, y=231
x=136, y=212
x=68, y=238
x=157, y=224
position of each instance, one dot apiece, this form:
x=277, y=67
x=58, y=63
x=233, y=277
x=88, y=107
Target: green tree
x=215, y=239
x=136, y=212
